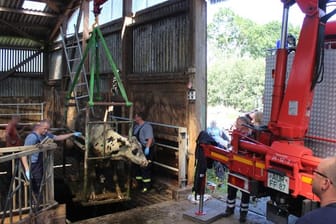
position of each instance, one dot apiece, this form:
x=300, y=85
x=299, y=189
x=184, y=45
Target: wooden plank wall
x=169, y=52
x=160, y=51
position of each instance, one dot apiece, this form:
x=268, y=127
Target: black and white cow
x=107, y=143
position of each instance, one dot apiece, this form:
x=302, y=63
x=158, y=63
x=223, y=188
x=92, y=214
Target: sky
x=260, y=11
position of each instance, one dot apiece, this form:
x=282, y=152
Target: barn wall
x=22, y=84
x=112, y=36
x=21, y=87
x=156, y=56
x=161, y=46
x=161, y=53
x=21, y=73
x=168, y=55
x=160, y=61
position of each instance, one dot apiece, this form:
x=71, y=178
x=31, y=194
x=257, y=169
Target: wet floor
x=176, y=212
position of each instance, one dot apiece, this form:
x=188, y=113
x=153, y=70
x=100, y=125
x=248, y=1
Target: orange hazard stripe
x=249, y=162
x=243, y=160
x=260, y=165
x=307, y=180
x=219, y=156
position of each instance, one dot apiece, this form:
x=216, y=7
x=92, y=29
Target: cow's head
x=109, y=143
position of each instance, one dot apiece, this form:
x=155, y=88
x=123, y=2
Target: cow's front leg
x=92, y=179
x=117, y=187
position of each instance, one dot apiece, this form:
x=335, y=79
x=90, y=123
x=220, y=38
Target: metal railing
x=181, y=138
x=18, y=201
x=27, y=111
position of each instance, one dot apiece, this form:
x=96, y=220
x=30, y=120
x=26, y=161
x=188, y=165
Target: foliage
x=221, y=188
x=243, y=37
x=237, y=83
x=236, y=63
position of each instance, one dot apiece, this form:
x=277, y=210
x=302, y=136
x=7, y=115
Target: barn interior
x=81, y=62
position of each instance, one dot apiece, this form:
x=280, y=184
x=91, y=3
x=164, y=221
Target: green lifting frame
x=93, y=43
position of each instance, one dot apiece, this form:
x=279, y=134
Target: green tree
x=236, y=59
x=243, y=37
x=238, y=82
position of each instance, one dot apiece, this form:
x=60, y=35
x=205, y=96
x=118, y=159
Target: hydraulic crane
x=276, y=162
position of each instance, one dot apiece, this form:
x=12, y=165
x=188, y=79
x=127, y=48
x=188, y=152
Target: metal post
x=93, y=68
x=42, y=111
x=201, y=204
x=182, y=140
x=86, y=154
x=284, y=26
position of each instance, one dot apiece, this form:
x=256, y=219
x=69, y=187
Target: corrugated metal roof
x=17, y=42
x=23, y=28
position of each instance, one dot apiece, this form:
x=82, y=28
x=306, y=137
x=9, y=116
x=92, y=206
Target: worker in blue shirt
x=144, y=133
x=218, y=135
x=39, y=133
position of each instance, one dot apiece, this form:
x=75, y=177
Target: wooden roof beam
x=52, y=5
x=29, y=26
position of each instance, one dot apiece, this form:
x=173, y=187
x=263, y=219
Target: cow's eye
x=135, y=151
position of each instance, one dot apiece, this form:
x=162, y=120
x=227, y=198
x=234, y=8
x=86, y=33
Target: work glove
x=77, y=133
x=27, y=174
x=146, y=151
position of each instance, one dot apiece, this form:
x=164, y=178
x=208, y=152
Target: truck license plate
x=278, y=182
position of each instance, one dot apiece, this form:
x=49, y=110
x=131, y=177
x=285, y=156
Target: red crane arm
x=293, y=118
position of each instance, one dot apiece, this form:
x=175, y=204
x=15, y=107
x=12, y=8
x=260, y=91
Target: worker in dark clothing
x=231, y=202
x=201, y=163
x=5, y=179
x=323, y=186
x=241, y=125
x=144, y=133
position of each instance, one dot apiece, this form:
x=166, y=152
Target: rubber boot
x=228, y=212
x=242, y=218
x=139, y=185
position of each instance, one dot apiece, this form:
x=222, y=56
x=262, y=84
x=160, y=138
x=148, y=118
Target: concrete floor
x=182, y=210
x=177, y=212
